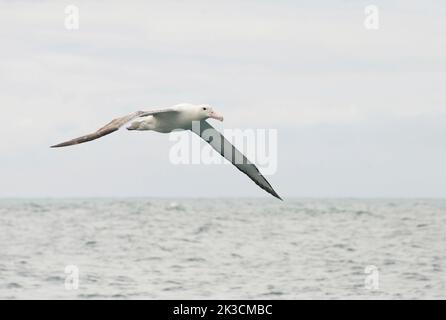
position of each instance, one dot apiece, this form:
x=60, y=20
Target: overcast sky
x=359, y=113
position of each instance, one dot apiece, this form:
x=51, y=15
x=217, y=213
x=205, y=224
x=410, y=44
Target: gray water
x=221, y=249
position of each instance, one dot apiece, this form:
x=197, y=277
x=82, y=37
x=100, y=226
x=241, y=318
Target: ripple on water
x=13, y=285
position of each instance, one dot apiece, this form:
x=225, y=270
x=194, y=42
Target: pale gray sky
x=359, y=113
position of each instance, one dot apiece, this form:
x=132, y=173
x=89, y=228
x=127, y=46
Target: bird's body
x=182, y=117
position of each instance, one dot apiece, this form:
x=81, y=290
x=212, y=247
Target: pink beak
x=215, y=115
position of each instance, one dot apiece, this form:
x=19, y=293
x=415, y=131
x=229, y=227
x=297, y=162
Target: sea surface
x=222, y=249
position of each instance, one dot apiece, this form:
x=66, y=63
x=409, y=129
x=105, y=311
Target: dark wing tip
x=278, y=197
x=272, y=192
x=57, y=146
x=64, y=144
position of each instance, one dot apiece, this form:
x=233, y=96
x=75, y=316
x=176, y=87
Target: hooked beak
x=215, y=115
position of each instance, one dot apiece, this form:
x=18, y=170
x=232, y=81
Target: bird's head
x=205, y=112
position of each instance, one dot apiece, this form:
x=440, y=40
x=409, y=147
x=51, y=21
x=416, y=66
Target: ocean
x=222, y=249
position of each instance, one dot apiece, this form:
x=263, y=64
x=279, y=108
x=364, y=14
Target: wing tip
x=274, y=193
x=64, y=144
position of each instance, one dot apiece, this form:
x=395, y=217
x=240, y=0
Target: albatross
x=182, y=117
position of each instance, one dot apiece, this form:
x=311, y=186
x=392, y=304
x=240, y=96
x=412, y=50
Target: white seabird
x=181, y=117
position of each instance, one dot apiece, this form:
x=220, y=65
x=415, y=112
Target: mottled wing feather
x=230, y=153
x=111, y=127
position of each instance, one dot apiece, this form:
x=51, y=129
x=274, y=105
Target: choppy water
x=214, y=249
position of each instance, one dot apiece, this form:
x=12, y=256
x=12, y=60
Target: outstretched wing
x=227, y=150
x=111, y=127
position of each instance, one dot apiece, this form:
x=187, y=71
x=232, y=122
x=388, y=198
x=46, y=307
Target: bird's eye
x=204, y=108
